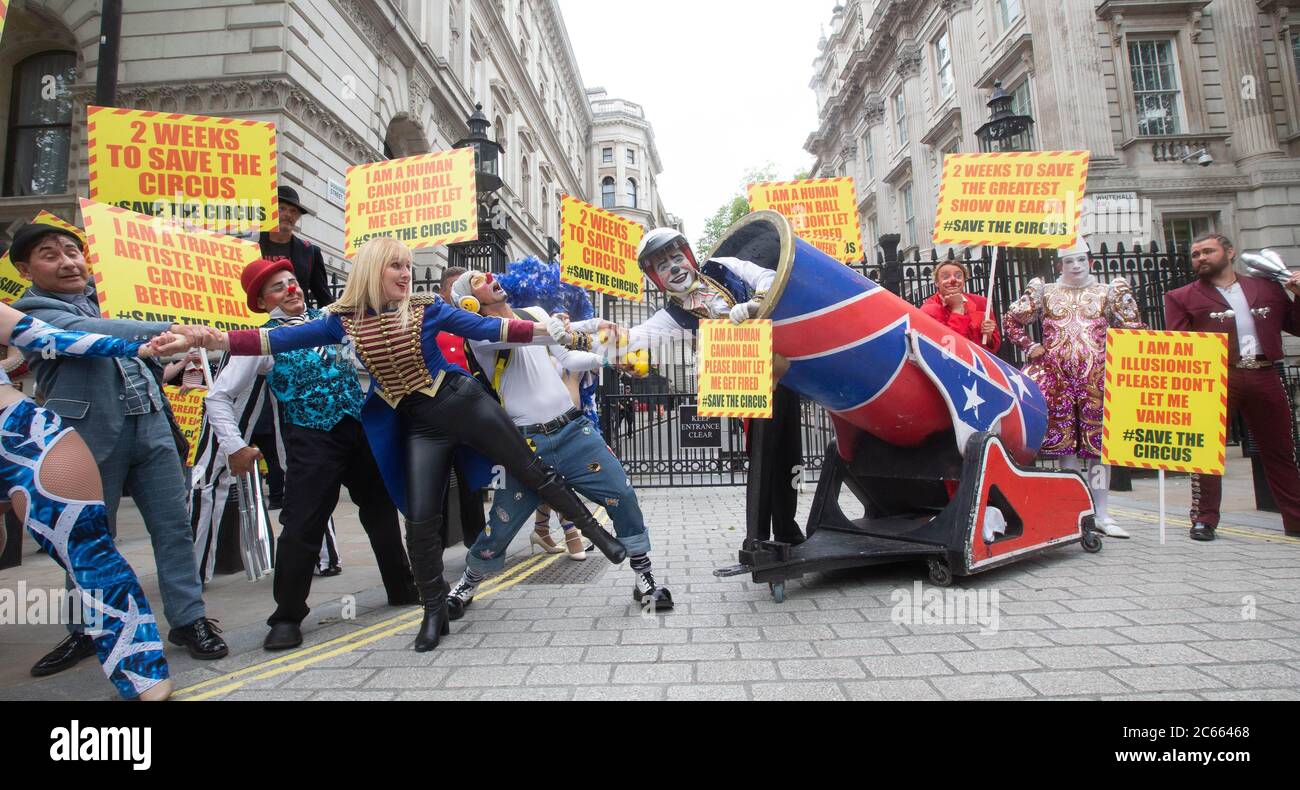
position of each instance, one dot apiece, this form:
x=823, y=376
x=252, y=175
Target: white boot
x=1100, y=474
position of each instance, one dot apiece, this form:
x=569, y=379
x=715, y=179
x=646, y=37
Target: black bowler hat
x=27, y=237
x=290, y=195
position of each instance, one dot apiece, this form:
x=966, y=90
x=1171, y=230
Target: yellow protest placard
x=1166, y=400
x=12, y=283
x=213, y=173
x=422, y=201
x=736, y=378
x=598, y=250
x=822, y=211
x=188, y=409
x=1019, y=199
x=147, y=269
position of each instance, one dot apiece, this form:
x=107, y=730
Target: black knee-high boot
x=424, y=545
x=548, y=484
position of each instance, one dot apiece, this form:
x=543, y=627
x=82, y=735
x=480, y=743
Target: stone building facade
x=1149, y=87
x=345, y=82
x=625, y=173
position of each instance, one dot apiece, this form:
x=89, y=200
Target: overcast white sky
x=723, y=82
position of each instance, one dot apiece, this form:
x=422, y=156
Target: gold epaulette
x=423, y=300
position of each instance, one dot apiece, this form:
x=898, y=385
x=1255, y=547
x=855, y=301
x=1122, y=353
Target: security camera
x=1199, y=157
x=1205, y=160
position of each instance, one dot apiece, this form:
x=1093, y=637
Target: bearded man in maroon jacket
x=1253, y=312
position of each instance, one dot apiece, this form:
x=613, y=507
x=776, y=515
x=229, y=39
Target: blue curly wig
x=534, y=283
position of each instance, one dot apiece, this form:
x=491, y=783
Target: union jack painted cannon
x=933, y=434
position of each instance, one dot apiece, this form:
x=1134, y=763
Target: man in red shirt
x=966, y=314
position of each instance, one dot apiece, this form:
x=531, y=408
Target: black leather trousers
x=462, y=412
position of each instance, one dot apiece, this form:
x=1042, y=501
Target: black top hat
x=290, y=195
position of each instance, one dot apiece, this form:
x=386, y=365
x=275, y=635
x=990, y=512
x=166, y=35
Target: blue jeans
x=145, y=459
x=579, y=454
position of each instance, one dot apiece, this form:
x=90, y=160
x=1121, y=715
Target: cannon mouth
x=766, y=239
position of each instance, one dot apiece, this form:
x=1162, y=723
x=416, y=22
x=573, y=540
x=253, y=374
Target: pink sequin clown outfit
x=1072, y=374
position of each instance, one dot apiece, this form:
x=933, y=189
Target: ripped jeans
x=577, y=452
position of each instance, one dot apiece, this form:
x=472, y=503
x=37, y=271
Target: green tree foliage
x=731, y=212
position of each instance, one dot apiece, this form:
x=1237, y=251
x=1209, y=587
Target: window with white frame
x=631, y=156
x=1022, y=103
x=1181, y=231
x=607, y=156
x=869, y=157
x=900, y=120
x=872, y=238
x=1156, y=95
x=943, y=66
x=1295, y=54
x=607, y=192
x=1009, y=11
x=40, y=125
x=909, y=216
x=631, y=193
x=526, y=184
x=500, y=127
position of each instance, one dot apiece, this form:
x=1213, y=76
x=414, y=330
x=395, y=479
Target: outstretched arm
x=325, y=331
x=30, y=334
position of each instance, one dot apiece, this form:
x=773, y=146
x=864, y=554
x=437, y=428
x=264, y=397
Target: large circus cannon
x=933, y=434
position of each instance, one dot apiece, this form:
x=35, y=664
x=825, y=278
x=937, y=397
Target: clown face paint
x=1075, y=270
x=486, y=289
x=675, y=272
x=282, y=291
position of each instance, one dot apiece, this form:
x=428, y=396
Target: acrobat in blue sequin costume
x=75, y=533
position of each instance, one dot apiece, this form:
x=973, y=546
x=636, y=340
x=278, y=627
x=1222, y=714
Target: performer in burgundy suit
x=1253, y=312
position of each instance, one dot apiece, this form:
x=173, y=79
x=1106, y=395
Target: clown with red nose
x=318, y=401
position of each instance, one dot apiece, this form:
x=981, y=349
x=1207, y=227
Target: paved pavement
x=1140, y=620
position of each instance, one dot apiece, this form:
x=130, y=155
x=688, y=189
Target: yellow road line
x=1180, y=523
x=405, y=617
x=347, y=643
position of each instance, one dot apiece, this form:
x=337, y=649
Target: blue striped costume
x=75, y=533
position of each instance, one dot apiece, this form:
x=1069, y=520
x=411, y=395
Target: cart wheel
x=1091, y=542
x=940, y=573
x=778, y=591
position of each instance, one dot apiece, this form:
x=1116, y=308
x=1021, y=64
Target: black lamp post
x=488, y=252
x=486, y=151
x=1005, y=130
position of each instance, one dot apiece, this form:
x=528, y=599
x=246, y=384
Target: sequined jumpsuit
x=1072, y=374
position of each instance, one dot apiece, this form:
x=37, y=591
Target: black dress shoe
x=1203, y=532
x=200, y=638
x=647, y=590
x=283, y=636
x=333, y=570
x=65, y=655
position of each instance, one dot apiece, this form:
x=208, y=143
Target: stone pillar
x=966, y=69
x=1238, y=43
x=1071, y=111
x=908, y=63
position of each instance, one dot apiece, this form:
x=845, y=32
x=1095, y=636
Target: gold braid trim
x=417, y=300
x=703, y=312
